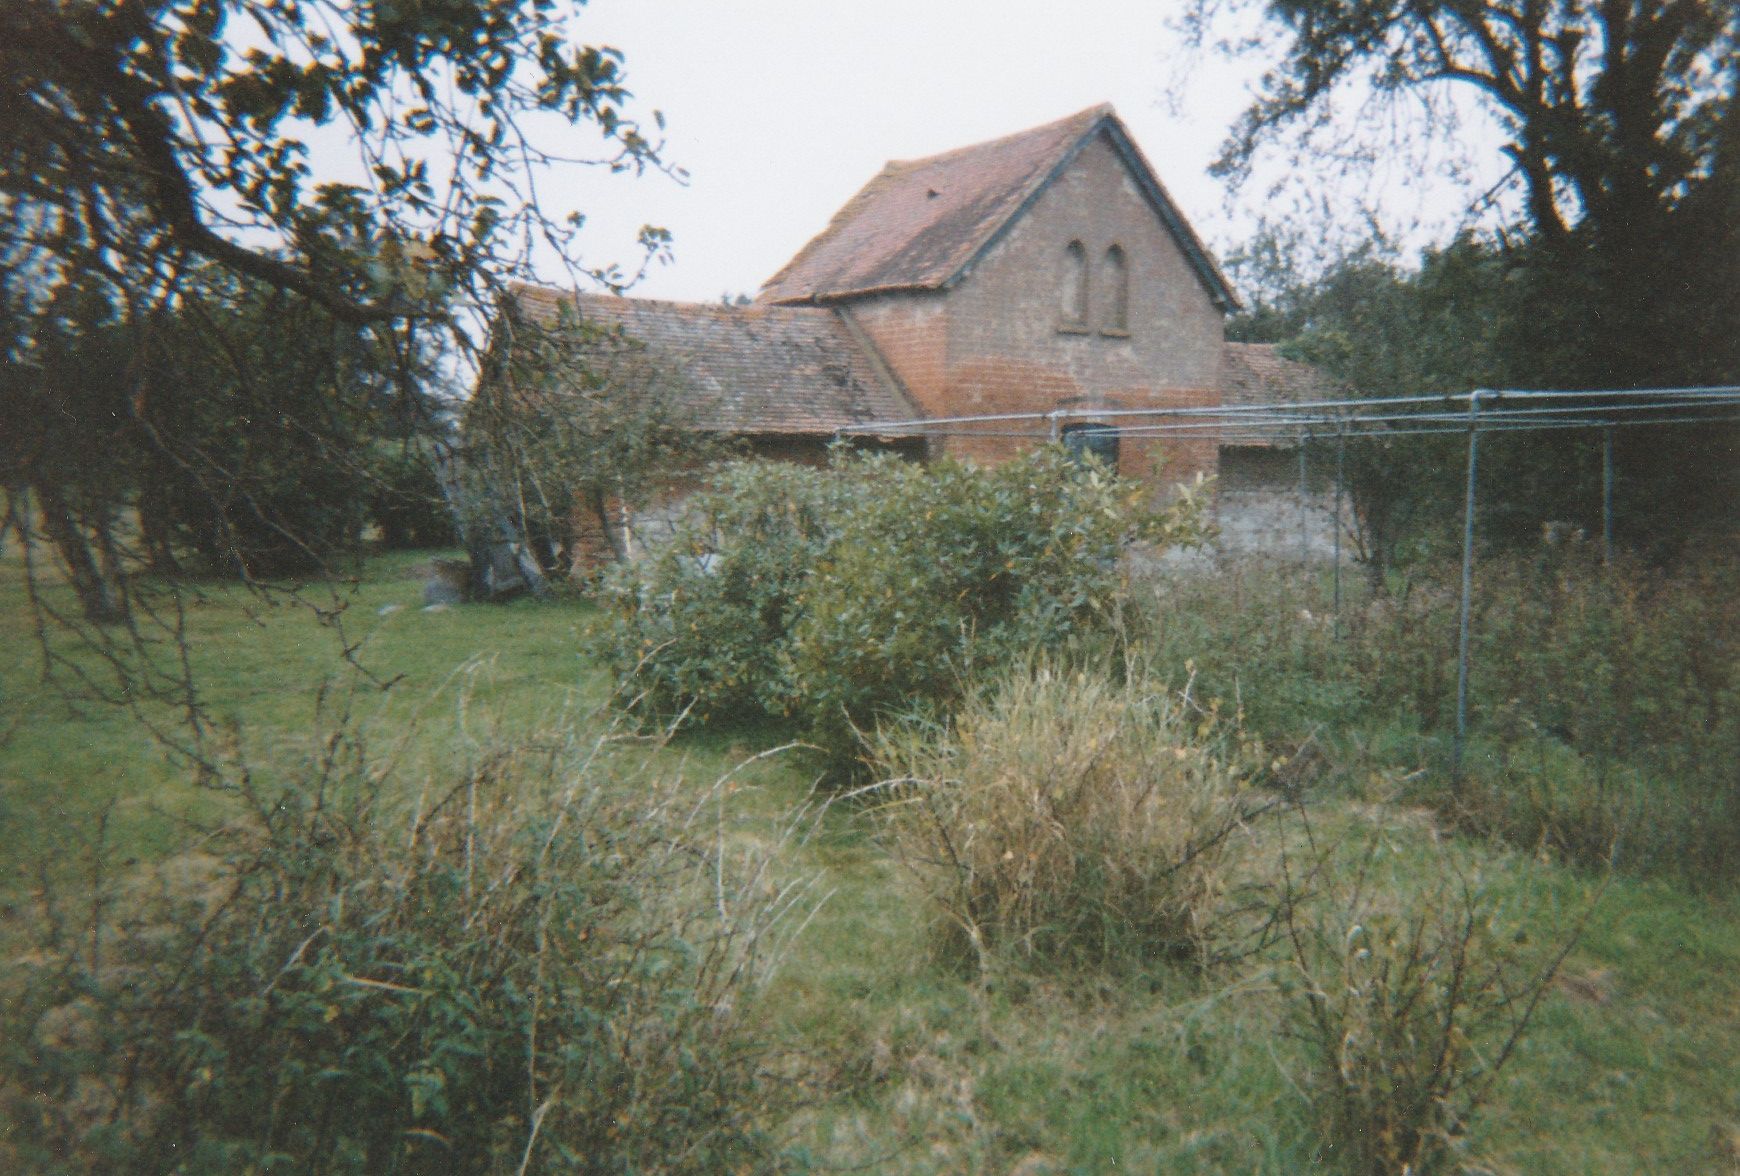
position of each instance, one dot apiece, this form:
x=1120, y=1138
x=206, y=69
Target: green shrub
x=1067, y=817
x=534, y=970
x=957, y=569
x=700, y=628
x=841, y=596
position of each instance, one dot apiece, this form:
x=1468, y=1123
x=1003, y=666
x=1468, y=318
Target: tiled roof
x=920, y=224
x=1258, y=374
x=746, y=369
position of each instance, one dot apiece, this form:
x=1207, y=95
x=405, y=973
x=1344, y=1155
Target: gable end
x=884, y=240
x=1207, y=272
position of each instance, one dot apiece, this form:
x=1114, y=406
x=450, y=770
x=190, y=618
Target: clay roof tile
x=744, y=369
x=1256, y=374
x=920, y=224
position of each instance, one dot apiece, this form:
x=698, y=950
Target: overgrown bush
x=534, y=969
x=1410, y=999
x=957, y=569
x=843, y=595
x=1068, y=817
x=1628, y=663
x=701, y=627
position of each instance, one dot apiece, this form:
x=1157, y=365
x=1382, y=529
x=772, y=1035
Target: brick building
x=1047, y=271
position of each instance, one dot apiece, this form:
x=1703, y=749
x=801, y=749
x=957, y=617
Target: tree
x=147, y=144
x=166, y=155
x=138, y=132
x=258, y=429
x=573, y=425
x=1621, y=123
x=63, y=401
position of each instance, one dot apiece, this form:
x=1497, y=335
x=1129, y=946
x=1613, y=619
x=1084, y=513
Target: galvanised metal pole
x=1607, y=496
x=1304, y=540
x=1340, y=469
x=1461, y=739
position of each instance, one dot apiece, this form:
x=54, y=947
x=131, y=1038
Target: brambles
x=1410, y=999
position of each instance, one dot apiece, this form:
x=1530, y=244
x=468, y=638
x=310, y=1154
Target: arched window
x=1092, y=442
x=1075, y=287
x=1116, y=283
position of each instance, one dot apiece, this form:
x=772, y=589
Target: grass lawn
x=1633, y=1064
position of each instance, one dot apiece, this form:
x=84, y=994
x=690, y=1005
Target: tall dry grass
x=1068, y=817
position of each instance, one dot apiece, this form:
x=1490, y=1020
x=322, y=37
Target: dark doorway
x=1099, y=442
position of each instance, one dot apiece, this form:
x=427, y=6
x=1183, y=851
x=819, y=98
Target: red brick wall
x=912, y=333
x=992, y=344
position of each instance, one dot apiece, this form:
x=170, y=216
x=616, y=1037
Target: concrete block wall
x=1260, y=510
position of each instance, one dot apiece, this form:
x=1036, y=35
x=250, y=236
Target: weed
x=1410, y=1002
x=533, y=967
x=1606, y=701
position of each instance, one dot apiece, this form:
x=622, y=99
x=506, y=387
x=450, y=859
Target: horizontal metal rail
x=1326, y=419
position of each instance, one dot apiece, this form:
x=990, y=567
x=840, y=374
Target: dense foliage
x=1602, y=260
x=221, y=177
x=1469, y=315
x=244, y=431
x=843, y=595
x=1621, y=127
x=407, y=503
x=531, y=969
x=1605, y=703
x=255, y=427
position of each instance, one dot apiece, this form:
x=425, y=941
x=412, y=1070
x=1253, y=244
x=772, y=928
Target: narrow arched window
x=1075, y=287
x=1116, y=283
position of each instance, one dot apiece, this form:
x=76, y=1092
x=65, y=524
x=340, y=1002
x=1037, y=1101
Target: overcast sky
x=781, y=109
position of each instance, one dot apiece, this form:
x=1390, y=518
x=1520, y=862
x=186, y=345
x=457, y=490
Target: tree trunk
x=154, y=533
x=99, y=594
x=616, y=538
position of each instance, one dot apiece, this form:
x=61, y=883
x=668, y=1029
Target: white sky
x=781, y=109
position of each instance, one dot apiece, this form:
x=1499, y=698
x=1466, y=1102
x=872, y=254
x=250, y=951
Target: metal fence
x=1476, y=414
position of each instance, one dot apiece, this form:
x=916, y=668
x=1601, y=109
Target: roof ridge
x=922, y=224
x=1032, y=152
x=1097, y=112
x=517, y=287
